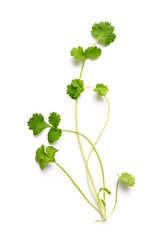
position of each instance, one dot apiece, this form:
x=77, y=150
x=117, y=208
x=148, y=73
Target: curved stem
x=88, y=172
x=102, y=220
x=87, y=169
x=95, y=145
x=76, y=116
x=105, y=123
x=66, y=130
x=115, y=198
x=77, y=187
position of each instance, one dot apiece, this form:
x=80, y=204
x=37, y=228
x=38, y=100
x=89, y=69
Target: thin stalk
x=78, y=187
x=95, y=43
x=82, y=69
x=76, y=116
x=115, y=198
x=88, y=87
x=88, y=171
x=65, y=130
x=103, y=177
x=102, y=220
x=105, y=123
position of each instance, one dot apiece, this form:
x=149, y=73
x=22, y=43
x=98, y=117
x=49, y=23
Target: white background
x=35, y=66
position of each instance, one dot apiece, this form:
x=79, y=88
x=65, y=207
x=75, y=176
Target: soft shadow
x=48, y=167
x=99, y=98
x=76, y=62
x=124, y=186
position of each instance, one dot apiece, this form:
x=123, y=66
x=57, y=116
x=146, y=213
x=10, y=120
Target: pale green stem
x=88, y=171
x=115, y=198
x=77, y=187
x=82, y=69
x=65, y=130
x=91, y=179
x=102, y=220
x=88, y=87
x=103, y=177
x=95, y=43
x=105, y=123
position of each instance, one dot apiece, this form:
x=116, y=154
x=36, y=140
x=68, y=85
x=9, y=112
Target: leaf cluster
x=101, y=89
x=127, y=178
x=44, y=156
x=38, y=124
x=75, y=88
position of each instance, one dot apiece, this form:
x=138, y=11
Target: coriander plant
x=104, y=34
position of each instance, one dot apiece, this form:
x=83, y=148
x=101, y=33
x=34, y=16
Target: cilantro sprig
x=37, y=124
x=104, y=34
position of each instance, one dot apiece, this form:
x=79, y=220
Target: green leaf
x=45, y=156
x=37, y=123
x=78, y=53
x=92, y=52
x=75, y=88
x=127, y=178
x=54, y=119
x=54, y=134
x=101, y=89
x=103, y=32
x=51, y=152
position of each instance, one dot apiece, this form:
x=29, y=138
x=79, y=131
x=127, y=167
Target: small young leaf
x=104, y=189
x=92, y=52
x=101, y=89
x=127, y=178
x=78, y=53
x=103, y=32
x=102, y=201
x=54, y=119
x=37, y=123
x=75, y=88
x=54, y=134
x=43, y=157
